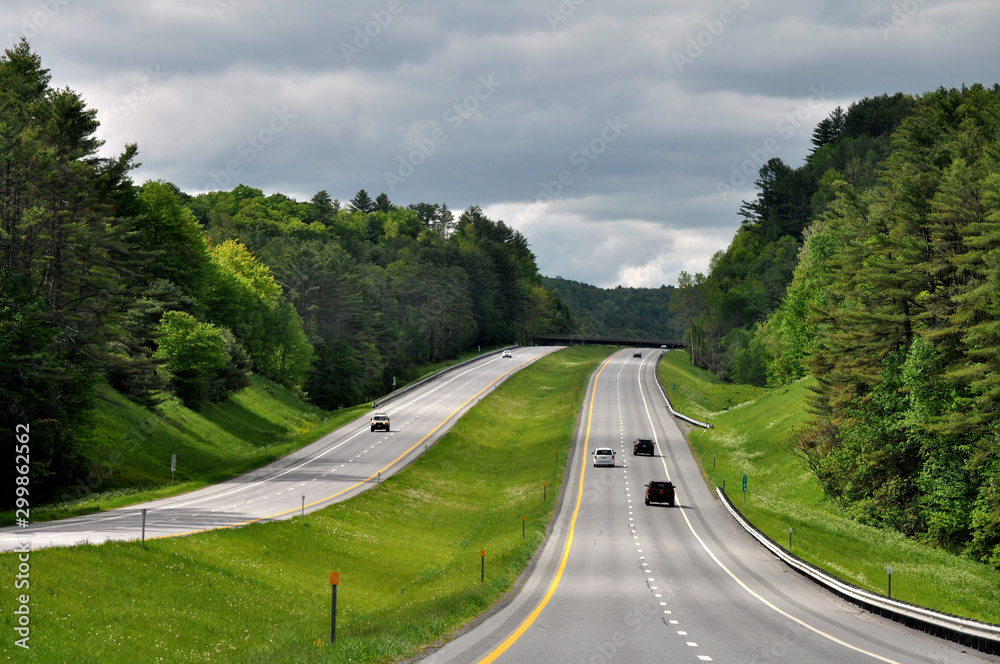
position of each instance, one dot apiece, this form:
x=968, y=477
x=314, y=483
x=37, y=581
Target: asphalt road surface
x=619, y=581
x=342, y=464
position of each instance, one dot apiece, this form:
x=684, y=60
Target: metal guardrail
x=670, y=406
x=412, y=386
x=982, y=636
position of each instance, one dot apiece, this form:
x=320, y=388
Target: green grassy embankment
x=752, y=434
x=130, y=446
x=407, y=553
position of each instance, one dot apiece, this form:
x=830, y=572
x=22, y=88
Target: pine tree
x=362, y=202
x=382, y=203
x=60, y=288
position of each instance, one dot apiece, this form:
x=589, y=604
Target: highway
x=342, y=464
x=619, y=581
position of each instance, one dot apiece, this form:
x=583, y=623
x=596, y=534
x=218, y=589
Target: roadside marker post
x=482, y=566
x=545, y=492
x=889, y=570
x=744, y=489
x=143, y=527
x=173, y=467
x=303, y=505
x=789, y=539
x=522, y=526
x=334, y=582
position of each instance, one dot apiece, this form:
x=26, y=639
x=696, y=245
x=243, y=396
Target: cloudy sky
x=619, y=136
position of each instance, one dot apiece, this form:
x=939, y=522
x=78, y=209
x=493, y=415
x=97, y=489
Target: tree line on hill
x=165, y=295
x=875, y=268
x=635, y=313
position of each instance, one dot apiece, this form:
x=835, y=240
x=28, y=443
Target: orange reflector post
x=334, y=578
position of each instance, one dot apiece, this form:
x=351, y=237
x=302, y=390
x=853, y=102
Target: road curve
x=618, y=581
x=342, y=464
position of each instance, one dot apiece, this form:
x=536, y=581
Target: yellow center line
x=367, y=479
x=510, y=640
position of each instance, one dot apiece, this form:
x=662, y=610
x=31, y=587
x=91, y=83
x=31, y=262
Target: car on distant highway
x=637, y=354
x=506, y=353
x=380, y=421
x=642, y=446
x=604, y=456
x=660, y=491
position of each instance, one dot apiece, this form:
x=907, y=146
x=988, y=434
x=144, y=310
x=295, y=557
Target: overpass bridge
x=583, y=339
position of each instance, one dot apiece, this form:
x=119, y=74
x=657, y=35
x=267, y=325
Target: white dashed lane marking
x=650, y=580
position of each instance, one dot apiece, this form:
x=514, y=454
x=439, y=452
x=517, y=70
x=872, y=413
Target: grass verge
x=753, y=429
x=407, y=553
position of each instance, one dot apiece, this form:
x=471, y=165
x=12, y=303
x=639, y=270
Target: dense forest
x=875, y=268
x=167, y=296
x=638, y=313
x=745, y=283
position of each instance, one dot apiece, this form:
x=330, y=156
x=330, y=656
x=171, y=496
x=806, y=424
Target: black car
x=637, y=354
x=642, y=446
x=659, y=491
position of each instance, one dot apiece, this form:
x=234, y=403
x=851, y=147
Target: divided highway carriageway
x=334, y=468
x=619, y=581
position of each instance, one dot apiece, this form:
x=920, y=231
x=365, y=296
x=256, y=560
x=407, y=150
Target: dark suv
x=380, y=421
x=642, y=446
x=660, y=491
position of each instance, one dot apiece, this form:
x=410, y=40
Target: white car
x=604, y=456
x=506, y=353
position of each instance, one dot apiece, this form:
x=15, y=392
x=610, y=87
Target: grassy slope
x=751, y=434
x=408, y=554
x=130, y=446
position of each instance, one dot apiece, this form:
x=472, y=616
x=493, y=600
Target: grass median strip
x=753, y=427
x=407, y=554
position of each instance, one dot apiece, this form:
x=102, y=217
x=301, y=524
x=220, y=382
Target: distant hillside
x=631, y=312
